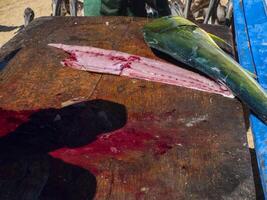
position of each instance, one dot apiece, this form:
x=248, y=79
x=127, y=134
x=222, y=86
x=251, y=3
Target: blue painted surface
x=251, y=36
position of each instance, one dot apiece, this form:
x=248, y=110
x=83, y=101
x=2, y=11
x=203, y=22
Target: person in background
x=28, y=16
x=133, y=7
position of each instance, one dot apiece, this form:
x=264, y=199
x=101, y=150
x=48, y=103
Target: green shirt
x=123, y=7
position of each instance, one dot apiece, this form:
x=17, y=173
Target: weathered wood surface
x=167, y=142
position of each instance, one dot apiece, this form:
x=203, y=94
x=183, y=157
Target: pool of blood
x=136, y=137
x=141, y=135
x=119, y=145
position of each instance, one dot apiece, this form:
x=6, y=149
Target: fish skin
x=123, y=64
x=186, y=42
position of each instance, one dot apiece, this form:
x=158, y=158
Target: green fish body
x=188, y=43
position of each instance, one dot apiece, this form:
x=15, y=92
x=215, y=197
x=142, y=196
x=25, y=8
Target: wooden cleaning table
x=70, y=134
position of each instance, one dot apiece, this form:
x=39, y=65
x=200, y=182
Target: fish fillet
x=123, y=64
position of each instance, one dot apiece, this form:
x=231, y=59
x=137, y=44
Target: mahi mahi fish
x=99, y=60
x=186, y=42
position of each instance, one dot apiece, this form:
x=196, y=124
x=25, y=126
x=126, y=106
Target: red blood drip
x=126, y=65
x=162, y=148
x=125, y=62
x=72, y=57
x=113, y=143
x=116, y=145
x=129, y=62
x=134, y=58
x=118, y=58
x=10, y=120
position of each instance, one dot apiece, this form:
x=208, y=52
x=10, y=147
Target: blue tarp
x=250, y=22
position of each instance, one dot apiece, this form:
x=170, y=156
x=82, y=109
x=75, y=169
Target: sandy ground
x=11, y=15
